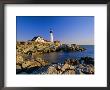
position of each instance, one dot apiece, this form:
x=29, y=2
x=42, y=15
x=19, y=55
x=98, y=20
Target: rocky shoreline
x=29, y=65
x=31, y=47
x=71, y=66
x=27, y=60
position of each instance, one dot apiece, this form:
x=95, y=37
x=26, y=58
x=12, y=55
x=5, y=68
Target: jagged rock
x=72, y=67
x=66, y=66
x=52, y=70
x=19, y=59
x=36, y=63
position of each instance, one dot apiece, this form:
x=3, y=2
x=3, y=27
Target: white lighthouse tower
x=51, y=35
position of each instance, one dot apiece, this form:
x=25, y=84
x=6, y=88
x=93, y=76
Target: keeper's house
x=38, y=39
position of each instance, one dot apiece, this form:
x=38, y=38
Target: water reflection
x=52, y=57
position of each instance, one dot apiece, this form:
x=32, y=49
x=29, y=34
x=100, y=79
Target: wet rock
x=71, y=66
x=66, y=66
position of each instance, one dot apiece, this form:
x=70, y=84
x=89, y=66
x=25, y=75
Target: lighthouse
x=51, y=35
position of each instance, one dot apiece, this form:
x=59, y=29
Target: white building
x=51, y=36
x=38, y=39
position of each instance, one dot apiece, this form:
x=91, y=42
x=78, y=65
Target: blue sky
x=67, y=29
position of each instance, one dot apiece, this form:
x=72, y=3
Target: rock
x=18, y=67
x=25, y=64
x=52, y=70
x=72, y=62
x=91, y=69
x=66, y=66
x=19, y=59
x=72, y=67
x=58, y=67
x=35, y=64
x=42, y=62
x=32, y=63
x=69, y=72
x=81, y=66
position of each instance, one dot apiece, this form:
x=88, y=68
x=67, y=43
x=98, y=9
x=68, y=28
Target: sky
x=67, y=29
